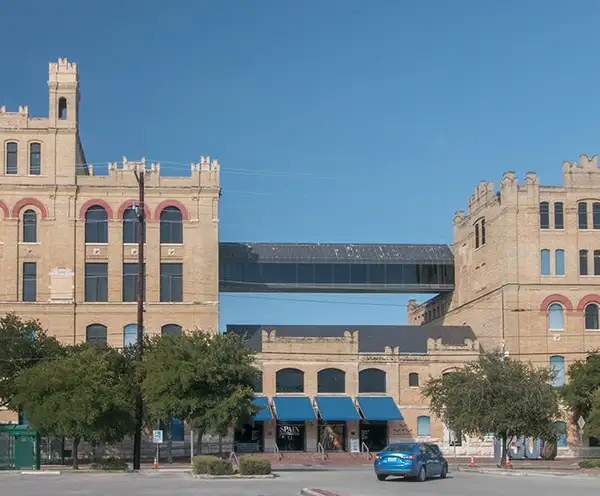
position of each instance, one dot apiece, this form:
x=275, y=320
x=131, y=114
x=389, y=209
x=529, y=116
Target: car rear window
x=406, y=447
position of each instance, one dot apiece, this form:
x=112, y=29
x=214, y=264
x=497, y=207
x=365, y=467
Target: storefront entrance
x=249, y=438
x=291, y=436
x=332, y=435
x=374, y=434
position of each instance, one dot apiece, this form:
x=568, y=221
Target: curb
x=317, y=492
x=232, y=477
x=521, y=473
x=41, y=472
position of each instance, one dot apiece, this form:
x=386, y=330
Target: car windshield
x=404, y=447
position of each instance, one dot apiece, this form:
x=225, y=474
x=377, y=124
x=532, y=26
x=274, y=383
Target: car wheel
x=422, y=475
x=381, y=477
x=444, y=473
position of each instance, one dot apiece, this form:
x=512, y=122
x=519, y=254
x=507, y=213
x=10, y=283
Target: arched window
x=413, y=379
x=171, y=225
x=35, y=159
x=258, y=383
x=289, y=381
x=131, y=226
x=371, y=381
x=544, y=215
x=96, y=225
x=171, y=330
x=62, y=108
x=561, y=432
x=545, y=262
x=130, y=334
x=423, y=426
x=29, y=226
x=557, y=365
x=12, y=162
x=591, y=317
x=556, y=317
x=96, y=334
x=559, y=262
x=331, y=381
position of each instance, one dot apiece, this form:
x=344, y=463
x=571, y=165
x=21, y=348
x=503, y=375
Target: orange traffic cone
x=472, y=464
x=507, y=464
x=155, y=464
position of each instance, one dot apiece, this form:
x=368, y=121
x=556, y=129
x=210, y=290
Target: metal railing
x=278, y=455
x=321, y=451
x=365, y=450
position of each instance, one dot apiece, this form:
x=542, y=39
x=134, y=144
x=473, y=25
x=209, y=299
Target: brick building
x=68, y=236
x=527, y=269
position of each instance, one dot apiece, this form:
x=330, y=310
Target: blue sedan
x=418, y=460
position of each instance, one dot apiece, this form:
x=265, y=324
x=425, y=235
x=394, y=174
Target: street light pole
x=139, y=171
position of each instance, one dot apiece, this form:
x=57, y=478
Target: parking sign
x=157, y=437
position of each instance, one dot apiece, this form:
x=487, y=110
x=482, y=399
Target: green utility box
x=19, y=448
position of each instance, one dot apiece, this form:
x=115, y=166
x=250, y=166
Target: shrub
x=211, y=465
x=254, y=466
x=589, y=463
x=113, y=464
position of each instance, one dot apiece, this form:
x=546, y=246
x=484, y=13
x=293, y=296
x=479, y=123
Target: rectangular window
x=423, y=426
x=130, y=281
x=29, y=281
x=596, y=215
x=559, y=262
x=96, y=282
x=597, y=262
x=544, y=215
x=35, y=159
x=171, y=282
x=12, y=152
x=582, y=215
x=559, y=215
x=557, y=366
x=545, y=262
x=583, y=262
x=476, y=236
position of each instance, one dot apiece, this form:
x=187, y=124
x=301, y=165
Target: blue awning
x=379, y=408
x=264, y=413
x=336, y=408
x=293, y=408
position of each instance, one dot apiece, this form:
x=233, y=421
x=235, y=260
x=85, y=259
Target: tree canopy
x=86, y=394
x=202, y=379
x=496, y=395
x=582, y=394
x=23, y=343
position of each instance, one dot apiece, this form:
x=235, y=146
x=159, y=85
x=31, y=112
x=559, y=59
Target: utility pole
x=139, y=172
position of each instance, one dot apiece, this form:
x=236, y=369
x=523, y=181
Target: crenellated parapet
x=437, y=345
x=483, y=195
x=582, y=174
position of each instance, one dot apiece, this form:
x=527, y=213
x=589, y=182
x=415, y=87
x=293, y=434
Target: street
x=353, y=482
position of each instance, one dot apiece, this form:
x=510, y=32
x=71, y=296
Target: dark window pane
x=596, y=215
x=376, y=274
x=258, y=383
x=171, y=330
x=410, y=274
x=582, y=215
x=131, y=227
x=476, y=236
x=597, y=262
x=171, y=282
x=371, y=381
x=130, y=281
x=35, y=159
x=331, y=381
x=29, y=281
x=544, y=215
x=171, y=225
x=96, y=282
x=559, y=216
x=583, y=262
x=289, y=381
x=12, y=151
x=324, y=273
x=393, y=274
x=482, y=232
x=96, y=334
x=341, y=274
x=591, y=316
x=96, y=225
x=413, y=379
x=29, y=227
x=306, y=273
x=358, y=273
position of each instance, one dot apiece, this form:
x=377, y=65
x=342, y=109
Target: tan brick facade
x=48, y=174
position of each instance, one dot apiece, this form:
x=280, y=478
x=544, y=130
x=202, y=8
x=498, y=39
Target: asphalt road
x=356, y=482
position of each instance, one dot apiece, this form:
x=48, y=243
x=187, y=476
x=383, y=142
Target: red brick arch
x=4, y=209
x=128, y=204
x=29, y=201
x=171, y=203
x=94, y=202
x=586, y=300
x=556, y=298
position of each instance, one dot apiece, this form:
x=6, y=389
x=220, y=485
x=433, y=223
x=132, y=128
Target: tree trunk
x=198, y=447
x=75, y=454
x=504, y=440
x=220, y=445
x=169, y=428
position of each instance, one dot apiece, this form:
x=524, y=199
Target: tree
x=86, y=394
x=582, y=395
x=23, y=343
x=496, y=395
x=202, y=379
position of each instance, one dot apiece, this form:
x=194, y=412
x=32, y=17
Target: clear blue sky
x=336, y=121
